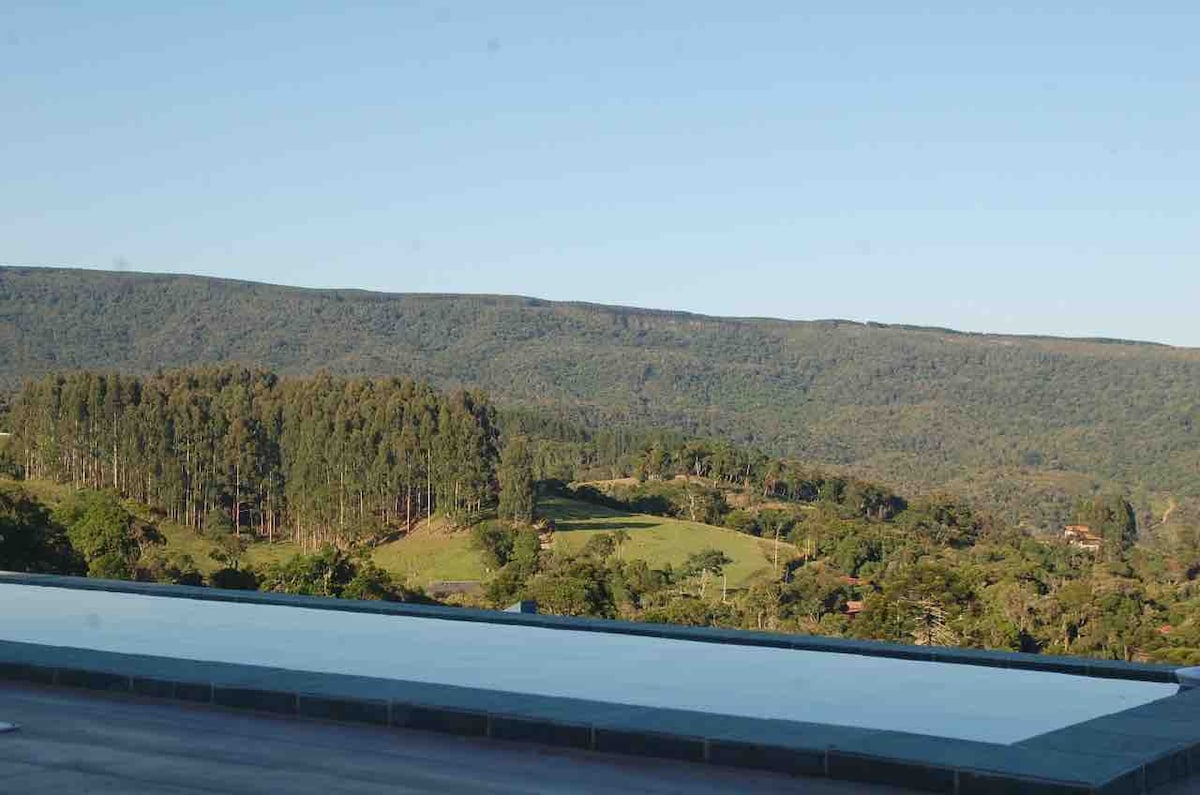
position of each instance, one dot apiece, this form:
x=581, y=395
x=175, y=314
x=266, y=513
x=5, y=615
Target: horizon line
x=1024, y=336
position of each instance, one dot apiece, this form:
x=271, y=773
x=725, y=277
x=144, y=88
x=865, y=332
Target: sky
x=1018, y=167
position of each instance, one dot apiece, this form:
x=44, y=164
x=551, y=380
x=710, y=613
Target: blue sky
x=1034, y=169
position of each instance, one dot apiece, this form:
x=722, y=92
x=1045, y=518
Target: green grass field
x=184, y=540
x=659, y=540
x=50, y=494
x=430, y=554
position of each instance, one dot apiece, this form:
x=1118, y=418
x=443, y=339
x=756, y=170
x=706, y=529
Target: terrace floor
x=107, y=744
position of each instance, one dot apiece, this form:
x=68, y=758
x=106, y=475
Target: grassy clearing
x=262, y=553
x=45, y=492
x=659, y=540
x=184, y=540
x=431, y=552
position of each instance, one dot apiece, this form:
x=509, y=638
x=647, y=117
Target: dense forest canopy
x=1024, y=425
x=331, y=459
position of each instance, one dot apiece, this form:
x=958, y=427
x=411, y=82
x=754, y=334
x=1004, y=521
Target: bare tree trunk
x=776, y=564
x=237, y=499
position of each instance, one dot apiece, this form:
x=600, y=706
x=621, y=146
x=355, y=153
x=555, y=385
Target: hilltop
x=991, y=415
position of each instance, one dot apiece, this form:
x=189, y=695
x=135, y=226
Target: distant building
x=1080, y=535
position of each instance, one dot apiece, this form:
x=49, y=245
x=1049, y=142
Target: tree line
x=322, y=459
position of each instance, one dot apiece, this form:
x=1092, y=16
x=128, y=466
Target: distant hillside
x=990, y=414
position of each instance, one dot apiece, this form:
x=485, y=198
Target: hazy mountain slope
x=917, y=406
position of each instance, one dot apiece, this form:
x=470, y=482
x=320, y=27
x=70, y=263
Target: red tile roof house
x=1080, y=535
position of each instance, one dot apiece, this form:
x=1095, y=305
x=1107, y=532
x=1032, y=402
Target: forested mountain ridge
x=991, y=415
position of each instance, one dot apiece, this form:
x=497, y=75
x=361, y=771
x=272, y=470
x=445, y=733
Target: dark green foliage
x=230, y=451
x=109, y=538
x=691, y=478
x=634, y=582
x=334, y=573
x=505, y=588
x=814, y=593
x=681, y=499
x=760, y=480
x=169, y=567
x=927, y=603
x=943, y=520
x=494, y=541
x=217, y=523
x=703, y=566
x=234, y=579
x=687, y=610
x=854, y=550
x=513, y=552
x=526, y=551
x=373, y=583
x=229, y=551
x=574, y=586
x=9, y=467
x=30, y=540
x=711, y=561
x=1112, y=518
x=1031, y=420
x=325, y=573
x=744, y=522
x=516, y=481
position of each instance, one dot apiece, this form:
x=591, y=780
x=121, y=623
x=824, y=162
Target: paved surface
x=82, y=742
